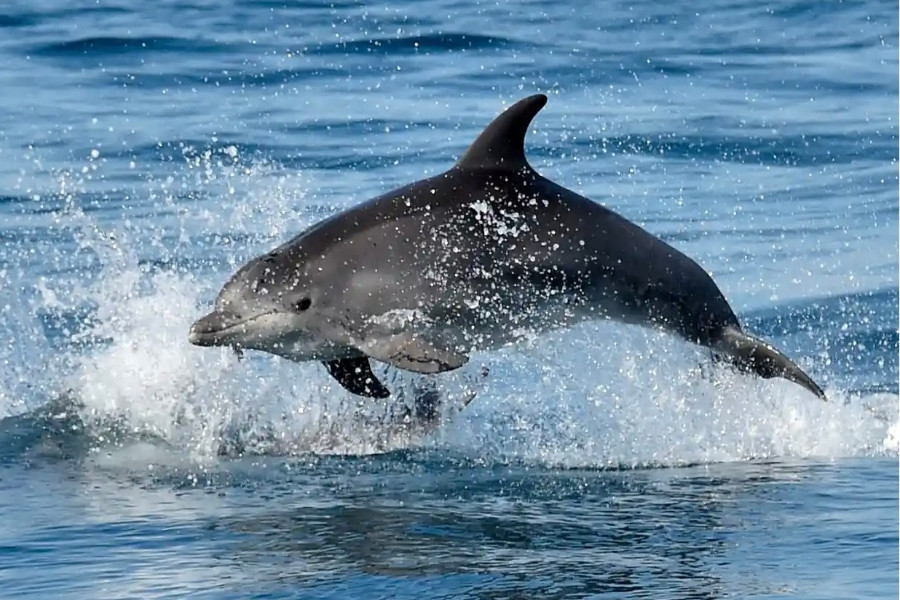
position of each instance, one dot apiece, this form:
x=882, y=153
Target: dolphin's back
x=620, y=268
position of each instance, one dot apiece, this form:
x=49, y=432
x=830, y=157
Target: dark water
x=148, y=149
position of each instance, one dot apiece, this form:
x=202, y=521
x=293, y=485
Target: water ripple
x=109, y=46
x=440, y=42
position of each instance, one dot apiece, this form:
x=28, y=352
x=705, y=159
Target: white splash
x=644, y=398
x=596, y=396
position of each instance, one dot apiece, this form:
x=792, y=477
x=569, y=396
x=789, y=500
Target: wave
x=441, y=42
x=794, y=151
x=104, y=46
x=28, y=18
x=233, y=78
x=20, y=20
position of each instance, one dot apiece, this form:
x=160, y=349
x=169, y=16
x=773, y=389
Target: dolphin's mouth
x=220, y=328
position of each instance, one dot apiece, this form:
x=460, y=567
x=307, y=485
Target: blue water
x=148, y=149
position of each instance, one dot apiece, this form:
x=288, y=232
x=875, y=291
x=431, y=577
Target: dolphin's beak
x=215, y=329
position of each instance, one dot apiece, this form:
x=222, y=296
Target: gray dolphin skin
x=478, y=257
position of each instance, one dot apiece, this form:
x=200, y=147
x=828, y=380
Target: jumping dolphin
x=470, y=260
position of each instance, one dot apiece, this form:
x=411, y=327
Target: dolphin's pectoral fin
x=412, y=353
x=355, y=374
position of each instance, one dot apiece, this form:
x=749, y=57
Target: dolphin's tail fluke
x=753, y=355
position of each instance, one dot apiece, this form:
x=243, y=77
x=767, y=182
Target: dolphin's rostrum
x=470, y=260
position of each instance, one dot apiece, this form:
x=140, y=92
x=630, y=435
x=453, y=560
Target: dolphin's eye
x=303, y=303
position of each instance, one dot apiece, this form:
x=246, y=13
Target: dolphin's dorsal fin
x=502, y=144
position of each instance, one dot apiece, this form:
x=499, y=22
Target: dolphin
x=473, y=259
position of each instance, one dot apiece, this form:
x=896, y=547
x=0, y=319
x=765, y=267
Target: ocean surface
x=148, y=149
